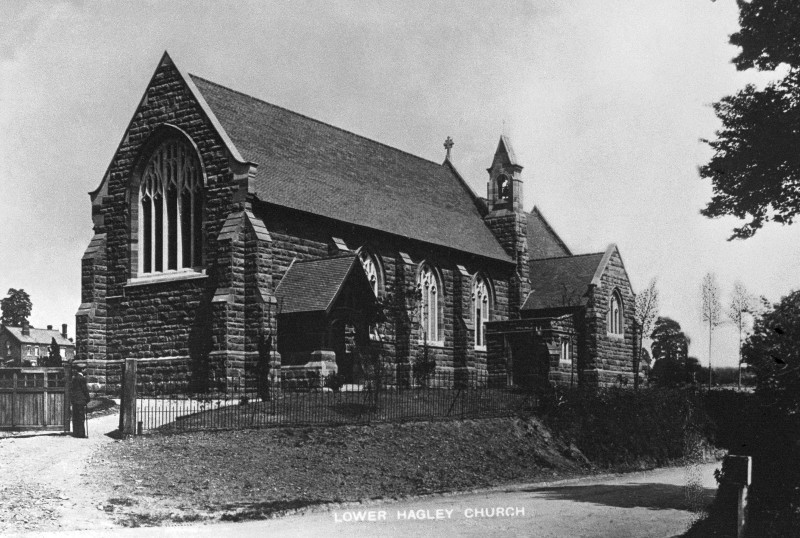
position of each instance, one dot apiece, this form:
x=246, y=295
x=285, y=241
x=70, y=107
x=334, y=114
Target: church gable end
x=610, y=341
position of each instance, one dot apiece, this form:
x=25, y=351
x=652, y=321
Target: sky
x=605, y=103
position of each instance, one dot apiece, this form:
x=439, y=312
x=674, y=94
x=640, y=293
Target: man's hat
x=78, y=367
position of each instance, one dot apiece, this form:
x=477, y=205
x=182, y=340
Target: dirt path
x=44, y=482
x=652, y=504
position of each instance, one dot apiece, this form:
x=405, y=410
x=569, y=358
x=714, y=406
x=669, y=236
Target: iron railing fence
x=443, y=395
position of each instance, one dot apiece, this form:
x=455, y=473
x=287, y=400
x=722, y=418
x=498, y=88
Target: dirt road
x=45, y=487
x=44, y=483
x=658, y=503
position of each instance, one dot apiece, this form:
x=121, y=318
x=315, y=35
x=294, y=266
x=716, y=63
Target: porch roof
x=314, y=285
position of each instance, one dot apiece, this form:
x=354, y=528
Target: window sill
x=480, y=348
x=171, y=276
x=433, y=343
x=615, y=336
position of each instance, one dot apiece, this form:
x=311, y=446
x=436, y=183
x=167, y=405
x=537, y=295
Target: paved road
x=651, y=504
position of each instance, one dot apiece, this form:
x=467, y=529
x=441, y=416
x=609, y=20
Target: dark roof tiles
x=543, y=242
x=39, y=336
x=312, y=286
x=314, y=167
x=561, y=282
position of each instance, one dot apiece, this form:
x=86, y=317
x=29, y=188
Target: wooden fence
x=34, y=399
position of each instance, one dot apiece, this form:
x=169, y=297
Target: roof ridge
x=570, y=256
x=316, y=120
x=327, y=258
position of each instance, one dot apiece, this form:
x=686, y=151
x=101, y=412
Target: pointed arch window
x=171, y=210
x=373, y=270
x=614, y=316
x=429, y=304
x=481, y=309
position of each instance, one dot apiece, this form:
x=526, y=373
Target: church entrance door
x=529, y=365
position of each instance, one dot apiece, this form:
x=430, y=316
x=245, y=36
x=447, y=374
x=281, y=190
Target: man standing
x=79, y=393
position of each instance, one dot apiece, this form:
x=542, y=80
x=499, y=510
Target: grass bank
x=231, y=475
x=241, y=474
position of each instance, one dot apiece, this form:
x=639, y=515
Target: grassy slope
x=258, y=473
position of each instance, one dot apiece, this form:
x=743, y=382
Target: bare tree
x=646, y=311
x=742, y=304
x=711, y=311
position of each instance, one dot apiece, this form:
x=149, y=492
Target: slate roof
x=314, y=167
x=512, y=156
x=312, y=286
x=561, y=282
x=543, y=242
x=38, y=336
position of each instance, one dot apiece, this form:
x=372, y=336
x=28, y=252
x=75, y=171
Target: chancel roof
x=543, y=242
x=314, y=167
x=562, y=282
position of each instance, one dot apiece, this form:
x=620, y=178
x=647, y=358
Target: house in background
x=223, y=220
x=28, y=344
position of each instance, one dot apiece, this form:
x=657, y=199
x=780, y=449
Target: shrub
x=620, y=426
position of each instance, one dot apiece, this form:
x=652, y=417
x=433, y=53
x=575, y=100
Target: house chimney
x=49, y=327
x=26, y=329
x=64, y=330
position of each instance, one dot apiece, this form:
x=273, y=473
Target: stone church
x=224, y=222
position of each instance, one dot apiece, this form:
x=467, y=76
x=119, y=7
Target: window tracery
x=614, y=316
x=171, y=210
x=372, y=269
x=481, y=304
x=429, y=307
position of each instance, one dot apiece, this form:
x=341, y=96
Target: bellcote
x=504, y=190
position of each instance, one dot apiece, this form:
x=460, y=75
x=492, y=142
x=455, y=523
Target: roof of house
x=314, y=285
x=543, y=242
x=311, y=166
x=38, y=336
x=562, y=282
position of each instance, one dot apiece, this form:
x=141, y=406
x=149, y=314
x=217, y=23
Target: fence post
x=129, y=398
x=67, y=396
x=737, y=473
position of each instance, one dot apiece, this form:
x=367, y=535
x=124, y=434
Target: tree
x=670, y=352
x=646, y=310
x=773, y=353
x=711, y=311
x=742, y=303
x=755, y=169
x=16, y=307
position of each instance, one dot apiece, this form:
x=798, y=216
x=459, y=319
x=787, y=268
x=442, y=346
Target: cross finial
x=448, y=145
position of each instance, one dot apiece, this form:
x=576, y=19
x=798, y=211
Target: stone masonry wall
x=203, y=327
x=305, y=237
x=609, y=359
x=159, y=318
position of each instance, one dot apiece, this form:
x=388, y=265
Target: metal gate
x=34, y=399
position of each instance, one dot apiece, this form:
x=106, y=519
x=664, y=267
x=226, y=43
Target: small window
x=36, y=351
x=614, y=316
x=428, y=286
x=566, y=350
x=481, y=310
x=373, y=270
